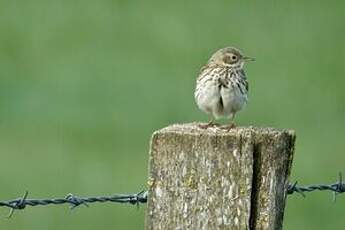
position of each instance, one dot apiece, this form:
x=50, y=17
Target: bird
x=222, y=86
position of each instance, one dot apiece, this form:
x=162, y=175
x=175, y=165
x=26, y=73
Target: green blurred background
x=85, y=83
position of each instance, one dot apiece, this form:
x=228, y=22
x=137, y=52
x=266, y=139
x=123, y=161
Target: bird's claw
x=208, y=125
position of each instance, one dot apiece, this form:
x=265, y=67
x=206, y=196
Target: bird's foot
x=208, y=125
x=229, y=127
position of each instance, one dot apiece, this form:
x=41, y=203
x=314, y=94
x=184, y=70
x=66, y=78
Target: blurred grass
x=84, y=84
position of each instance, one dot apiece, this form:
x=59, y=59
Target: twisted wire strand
x=74, y=201
x=336, y=188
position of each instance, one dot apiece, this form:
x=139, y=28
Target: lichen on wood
x=218, y=179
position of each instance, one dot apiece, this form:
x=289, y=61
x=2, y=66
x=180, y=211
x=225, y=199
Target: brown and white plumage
x=222, y=86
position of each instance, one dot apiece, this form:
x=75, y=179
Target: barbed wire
x=336, y=188
x=141, y=197
x=74, y=201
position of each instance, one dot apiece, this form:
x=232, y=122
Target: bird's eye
x=230, y=59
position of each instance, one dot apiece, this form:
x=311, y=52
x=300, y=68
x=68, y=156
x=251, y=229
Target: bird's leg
x=209, y=124
x=232, y=123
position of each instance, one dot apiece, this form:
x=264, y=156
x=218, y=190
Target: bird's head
x=229, y=57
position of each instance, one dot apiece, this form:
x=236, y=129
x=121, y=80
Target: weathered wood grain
x=217, y=179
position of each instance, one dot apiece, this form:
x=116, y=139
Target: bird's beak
x=248, y=59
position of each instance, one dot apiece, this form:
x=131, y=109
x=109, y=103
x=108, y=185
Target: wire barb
x=75, y=201
x=339, y=188
x=294, y=188
x=18, y=204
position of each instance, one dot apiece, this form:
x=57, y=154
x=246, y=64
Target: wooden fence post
x=218, y=179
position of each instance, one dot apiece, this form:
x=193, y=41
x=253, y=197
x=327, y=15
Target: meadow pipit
x=222, y=86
